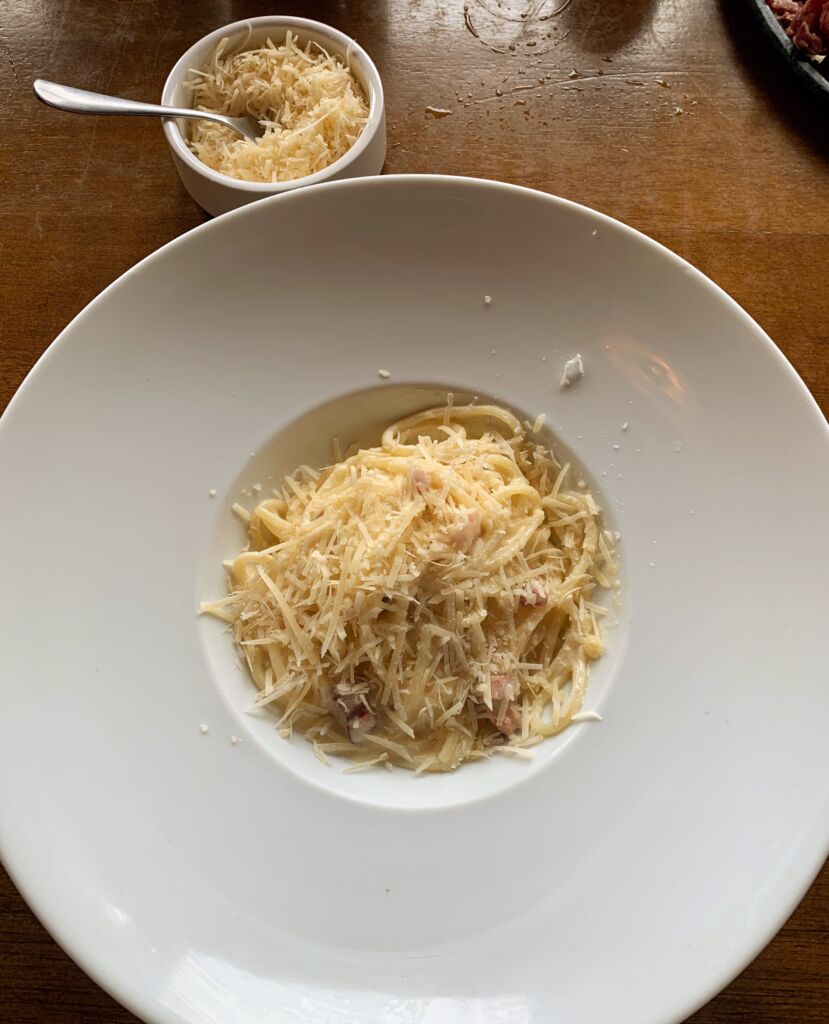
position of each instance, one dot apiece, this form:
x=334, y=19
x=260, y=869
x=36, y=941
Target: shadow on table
x=797, y=106
x=606, y=26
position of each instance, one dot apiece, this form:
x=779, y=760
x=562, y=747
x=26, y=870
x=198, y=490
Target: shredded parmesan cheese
x=309, y=104
x=425, y=602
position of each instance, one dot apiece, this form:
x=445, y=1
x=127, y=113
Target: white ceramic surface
x=218, y=193
x=624, y=876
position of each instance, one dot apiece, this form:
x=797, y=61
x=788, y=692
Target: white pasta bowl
x=622, y=876
x=217, y=193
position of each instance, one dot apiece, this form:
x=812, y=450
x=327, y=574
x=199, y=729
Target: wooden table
x=668, y=114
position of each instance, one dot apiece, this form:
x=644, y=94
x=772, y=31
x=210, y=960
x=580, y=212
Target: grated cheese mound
x=430, y=599
x=308, y=102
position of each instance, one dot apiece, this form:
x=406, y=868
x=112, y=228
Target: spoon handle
x=79, y=101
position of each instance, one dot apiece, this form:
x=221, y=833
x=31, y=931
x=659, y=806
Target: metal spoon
x=79, y=101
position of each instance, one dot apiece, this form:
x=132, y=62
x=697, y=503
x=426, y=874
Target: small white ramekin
x=217, y=193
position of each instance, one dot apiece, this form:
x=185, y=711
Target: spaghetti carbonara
x=425, y=602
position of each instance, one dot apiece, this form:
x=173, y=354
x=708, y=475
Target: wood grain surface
x=671, y=115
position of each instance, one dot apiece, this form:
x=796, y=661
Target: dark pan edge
x=807, y=73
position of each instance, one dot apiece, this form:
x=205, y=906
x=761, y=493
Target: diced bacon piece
x=343, y=700
x=509, y=723
x=502, y=686
x=359, y=718
x=465, y=530
x=421, y=481
x=534, y=595
x=359, y=722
